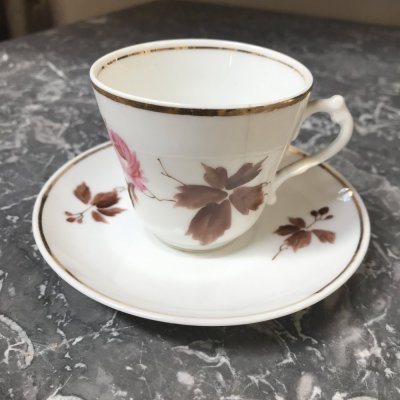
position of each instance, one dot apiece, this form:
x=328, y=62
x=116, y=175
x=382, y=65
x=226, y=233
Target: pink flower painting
x=129, y=161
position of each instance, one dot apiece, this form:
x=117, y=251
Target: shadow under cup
x=200, y=127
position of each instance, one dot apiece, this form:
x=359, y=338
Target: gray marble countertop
x=56, y=344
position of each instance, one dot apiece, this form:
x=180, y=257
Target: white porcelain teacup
x=200, y=127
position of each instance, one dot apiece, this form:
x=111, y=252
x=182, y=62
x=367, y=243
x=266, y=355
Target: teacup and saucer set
x=199, y=227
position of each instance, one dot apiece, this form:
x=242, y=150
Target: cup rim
x=186, y=109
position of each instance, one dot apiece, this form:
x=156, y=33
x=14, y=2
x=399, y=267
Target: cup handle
x=335, y=106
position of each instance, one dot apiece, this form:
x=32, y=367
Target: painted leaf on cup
x=247, y=198
x=197, y=196
x=215, y=177
x=212, y=200
x=210, y=222
x=215, y=199
x=82, y=192
x=246, y=173
x=299, y=233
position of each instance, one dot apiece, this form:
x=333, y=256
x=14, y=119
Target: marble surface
x=56, y=344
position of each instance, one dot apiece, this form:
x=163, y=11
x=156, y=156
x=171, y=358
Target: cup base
x=194, y=248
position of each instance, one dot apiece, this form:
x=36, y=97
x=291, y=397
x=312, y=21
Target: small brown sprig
x=300, y=235
x=101, y=204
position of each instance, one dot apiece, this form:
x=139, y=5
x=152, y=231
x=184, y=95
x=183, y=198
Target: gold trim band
x=202, y=112
x=235, y=50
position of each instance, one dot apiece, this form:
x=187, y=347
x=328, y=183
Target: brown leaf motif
x=98, y=217
x=301, y=234
x=210, y=222
x=215, y=177
x=197, y=196
x=299, y=239
x=299, y=222
x=323, y=210
x=100, y=206
x=247, y=198
x=285, y=230
x=105, y=199
x=82, y=192
x=214, y=200
x=245, y=174
x=324, y=236
x=111, y=212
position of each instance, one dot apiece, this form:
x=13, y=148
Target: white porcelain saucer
x=103, y=251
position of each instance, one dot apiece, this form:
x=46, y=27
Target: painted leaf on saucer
x=299, y=239
x=299, y=234
x=101, y=204
x=110, y=212
x=82, y=192
x=324, y=236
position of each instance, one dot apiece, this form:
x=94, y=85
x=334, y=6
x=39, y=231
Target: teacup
x=200, y=128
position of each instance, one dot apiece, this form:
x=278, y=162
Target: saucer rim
x=63, y=272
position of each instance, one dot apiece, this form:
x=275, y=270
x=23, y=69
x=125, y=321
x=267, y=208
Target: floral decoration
x=299, y=234
x=101, y=205
x=214, y=199
x=132, y=168
x=129, y=162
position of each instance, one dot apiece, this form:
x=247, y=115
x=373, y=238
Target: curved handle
x=337, y=109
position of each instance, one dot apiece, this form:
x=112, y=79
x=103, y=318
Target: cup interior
x=201, y=74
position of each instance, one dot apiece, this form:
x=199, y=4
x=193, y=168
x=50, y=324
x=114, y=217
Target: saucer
x=301, y=249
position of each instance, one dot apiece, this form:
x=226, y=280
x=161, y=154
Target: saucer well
x=301, y=249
